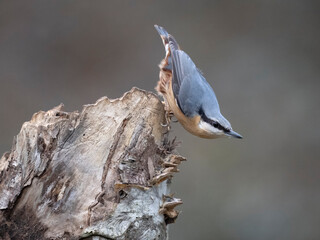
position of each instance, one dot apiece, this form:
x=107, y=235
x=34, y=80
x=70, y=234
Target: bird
x=187, y=95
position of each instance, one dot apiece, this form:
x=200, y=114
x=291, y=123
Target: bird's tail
x=168, y=40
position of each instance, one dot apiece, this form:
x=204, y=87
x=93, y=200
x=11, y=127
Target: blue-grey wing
x=189, y=86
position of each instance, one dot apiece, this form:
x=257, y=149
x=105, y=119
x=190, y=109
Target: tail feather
x=173, y=43
x=167, y=38
x=163, y=34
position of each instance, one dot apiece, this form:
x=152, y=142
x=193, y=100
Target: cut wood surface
x=103, y=173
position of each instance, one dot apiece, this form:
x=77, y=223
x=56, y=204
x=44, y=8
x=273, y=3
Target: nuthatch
x=188, y=95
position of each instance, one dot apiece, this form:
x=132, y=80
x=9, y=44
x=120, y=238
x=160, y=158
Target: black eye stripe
x=212, y=122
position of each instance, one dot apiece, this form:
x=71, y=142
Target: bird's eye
x=216, y=125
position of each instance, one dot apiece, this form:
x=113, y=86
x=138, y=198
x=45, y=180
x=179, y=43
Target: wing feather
x=188, y=84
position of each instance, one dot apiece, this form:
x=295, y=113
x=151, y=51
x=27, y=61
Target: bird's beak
x=232, y=133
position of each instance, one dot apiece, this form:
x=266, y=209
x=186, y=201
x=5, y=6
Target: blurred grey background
x=263, y=61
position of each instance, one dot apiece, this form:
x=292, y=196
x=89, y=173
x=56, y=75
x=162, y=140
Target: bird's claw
x=164, y=125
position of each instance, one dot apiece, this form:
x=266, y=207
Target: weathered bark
x=102, y=172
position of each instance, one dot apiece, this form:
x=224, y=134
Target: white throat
x=210, y=129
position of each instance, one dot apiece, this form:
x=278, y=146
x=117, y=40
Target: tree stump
x=103, y=173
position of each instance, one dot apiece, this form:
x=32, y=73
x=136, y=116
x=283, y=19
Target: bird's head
x=217, y=126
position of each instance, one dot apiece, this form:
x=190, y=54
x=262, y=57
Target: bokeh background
x=262, y=58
